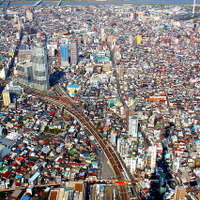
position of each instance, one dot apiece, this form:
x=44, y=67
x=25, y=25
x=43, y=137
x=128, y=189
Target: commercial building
x=24, y=52
x=6, y=97
x=10, y=93
x=40, y=66
x=29, y=15
x=3, y=73
x=153, y=154
x=52, y=48
x=23, y=72
x=138, y=39
x=133, y=127
x=180, y=192
x=64, y=54
x=35, y=72
x=73, y=51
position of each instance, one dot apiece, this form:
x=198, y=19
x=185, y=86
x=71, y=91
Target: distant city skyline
x=133, y=2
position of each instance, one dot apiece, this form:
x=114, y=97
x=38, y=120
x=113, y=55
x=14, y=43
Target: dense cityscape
x=100, y=102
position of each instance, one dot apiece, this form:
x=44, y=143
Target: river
x=133, y=2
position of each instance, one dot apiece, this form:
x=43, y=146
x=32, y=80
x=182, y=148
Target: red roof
x=43, y=142
x=178, y=149
x=19, y=171
x=6, y=174
x=14, y=164
x=30, y=163
x=19, y=159
x=59, y=160
x=52, y=113
x=75, y=164
x=120, y=183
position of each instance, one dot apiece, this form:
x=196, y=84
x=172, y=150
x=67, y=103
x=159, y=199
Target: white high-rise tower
x=193, y=9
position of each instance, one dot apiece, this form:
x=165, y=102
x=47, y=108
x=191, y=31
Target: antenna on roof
x=193, y=9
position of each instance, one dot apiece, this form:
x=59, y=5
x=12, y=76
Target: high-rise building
x=3, y=73
x=40, y=67
x=153, y=156
x=34, y=72
x=121, y=71
x=64, y=54
x=29, y=15
x=23, y=72
x=113, y=138
x=39, y=59
x=6, y=97
x=73, y=51
x=102, y=35
x=10, y=93
x=180, y=192
x=52, y=48
x=122, y=147
x=133, y=127
x=138, y=39
x=24, y=52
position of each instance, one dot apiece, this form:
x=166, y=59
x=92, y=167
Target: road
x=117, y=78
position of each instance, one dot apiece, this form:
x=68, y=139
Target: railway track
x=111, y=154
x=68, y=104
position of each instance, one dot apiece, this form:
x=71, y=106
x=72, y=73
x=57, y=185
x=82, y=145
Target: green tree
x=46, y=129
x=56, y=130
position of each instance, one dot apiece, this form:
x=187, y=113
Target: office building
x=138, y=39
x=34, y=72
x=3, y=73
x=133, y=127
x=23, y=72
x=113, y=138
x=103, y=35
x=180, y=192
x=13, y=88
x=6, y=98
x=10, y=93
x=122, y=147
x=73, y=51
x=52, y=48
x=64, y=54
x=29, y=15
x=24, y=52
x=121, y=71
x=40, y=64
x=153, y=156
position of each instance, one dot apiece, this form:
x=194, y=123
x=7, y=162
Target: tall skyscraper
x=40, y=67
x=64, y=54
x=73, y=51
x=34, y=73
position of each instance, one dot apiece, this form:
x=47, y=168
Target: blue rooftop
x=73, y=86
